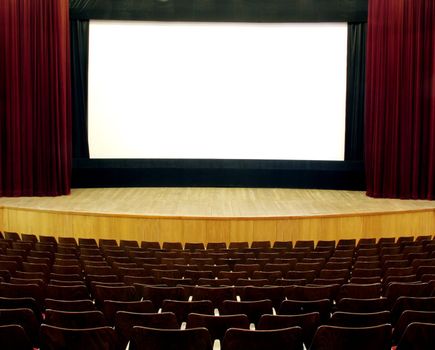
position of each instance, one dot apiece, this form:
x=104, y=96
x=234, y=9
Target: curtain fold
x=356, y=52
x=400, y=95
x=35, y=101
x=79, y=82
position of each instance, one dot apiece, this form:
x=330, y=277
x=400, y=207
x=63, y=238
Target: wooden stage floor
x=216, y=214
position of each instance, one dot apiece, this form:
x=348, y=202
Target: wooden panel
x=241, y=230
x=264, y=230
x=171, y=230
x=2, y=220
x=216, y=215
x=218, y=230
x=195, y=230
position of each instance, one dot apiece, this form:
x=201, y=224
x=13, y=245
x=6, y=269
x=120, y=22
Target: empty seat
x=14, y=337
x=358, y=272
x=351, y=242
x=252, y=309
x=67, y=240
x=47, y=239
x=359, y=319
x=99, y=270
x=313, y=292
x=150, y=245
x=398, y=289
x=87, y=242
x=287, y=245
x=37, y=281
x=305, y=244
x=286, y=338
x=363, y=305
x=119, y=293
x=156, y=294
x=68, y=269
x=74, y=319
x=363, y=241
x=194, y=246
x=128, y=243
x=216, y=245
x=172, y=245
x=233, y=276
x=359, y=291
x=273, y=293
x=111, y=307
x=409, y=316
x=270, y=276
x=411, y=303
x=107, y=242
x=214, y=282
x=308, y=275
x=238, y=245
x=329, y=274
x=20, y=245
x=196, y=275
x=70, y=305
x=358, y=338
x=23, y=317
x=182, y=309
x=10, y=290
x=417, y=336
x=249, y=268
x=308, y=322
x=74, y=292
x=217, y=325
x=216, y=295
x=297, y=307
x=14, y=236
x=170, y=339
x=125, y=321
x=260, y=244
x=52, y=338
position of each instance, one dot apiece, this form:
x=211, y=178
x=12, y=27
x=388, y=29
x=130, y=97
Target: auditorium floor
x=216, y=202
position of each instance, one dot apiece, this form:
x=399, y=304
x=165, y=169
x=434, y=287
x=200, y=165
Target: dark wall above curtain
x=222, y=10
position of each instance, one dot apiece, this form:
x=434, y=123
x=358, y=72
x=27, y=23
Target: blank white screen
x=217, y=90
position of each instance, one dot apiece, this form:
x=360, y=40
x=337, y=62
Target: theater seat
x=359, y=338
x=170, y=339
x=13, y=337
x=287, y=338
x=55, y=338
x=418, y=336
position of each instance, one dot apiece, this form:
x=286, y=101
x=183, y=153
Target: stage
x=216, y=214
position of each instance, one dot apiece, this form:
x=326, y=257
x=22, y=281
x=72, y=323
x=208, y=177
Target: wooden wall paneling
x=287, y=229
x=218, y=230
x=2, y=219
x=151, y=230
x=241, y=230
x=171, y=230
x=194, y=230
x=216, y=215
x=264, y=230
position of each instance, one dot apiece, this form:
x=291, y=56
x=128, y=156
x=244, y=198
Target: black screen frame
x=347, y=174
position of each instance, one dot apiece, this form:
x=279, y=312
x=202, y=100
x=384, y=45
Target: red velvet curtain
x=400, y=99
x=35, y=102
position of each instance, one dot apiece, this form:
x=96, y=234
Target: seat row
x=14, y=236
x=89, y=329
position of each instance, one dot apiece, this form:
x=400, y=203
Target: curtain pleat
x=400, y=95
x=356, y=52
x=35, y=96
x=79, y=81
